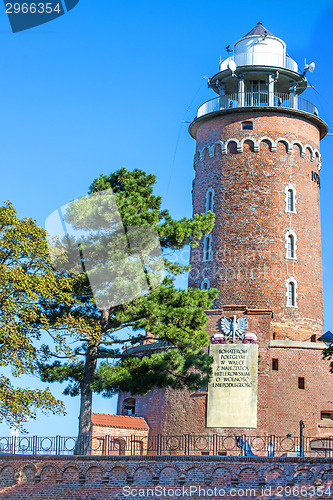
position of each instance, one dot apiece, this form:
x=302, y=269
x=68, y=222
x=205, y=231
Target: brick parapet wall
x=104, y=478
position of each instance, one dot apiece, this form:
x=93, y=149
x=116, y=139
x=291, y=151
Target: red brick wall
x=114, y=440
x=248, y=263
x=91, y=478
x=281, y=405
x=287, y=403
x=180, y=412
x=152, y=407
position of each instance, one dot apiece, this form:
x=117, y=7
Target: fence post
x=158, y=445
x=58, y=445
x=214, y=444
x=244, y=444
x=301, y=438
x=34, y=445
x=270, y=447
x=13, y=441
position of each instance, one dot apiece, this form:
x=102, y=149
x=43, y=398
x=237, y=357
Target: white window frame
x=210, y=191
x=294, y=282
x=292, y=234
x=205, y=282
x=206, y=258
x=290, y=187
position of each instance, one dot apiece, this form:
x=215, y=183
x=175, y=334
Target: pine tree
x=173, y=318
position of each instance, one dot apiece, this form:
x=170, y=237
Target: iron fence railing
x=254, y=99
x=186, y=444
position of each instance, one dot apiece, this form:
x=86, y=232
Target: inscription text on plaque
x=232, y=393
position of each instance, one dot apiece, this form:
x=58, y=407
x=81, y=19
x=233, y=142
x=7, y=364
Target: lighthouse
x=257, y=168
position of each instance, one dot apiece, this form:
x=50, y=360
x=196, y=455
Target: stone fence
x=168, y=478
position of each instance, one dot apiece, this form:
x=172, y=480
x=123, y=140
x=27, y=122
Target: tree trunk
x=83, y=444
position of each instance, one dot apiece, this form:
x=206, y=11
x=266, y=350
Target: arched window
x=290, y=192
x=210, y=200
x=291, y=294
x=207, y=248
x=290, y=200
x=205, y=284
x=291, y=286
x=129, y=406
x=290, y=245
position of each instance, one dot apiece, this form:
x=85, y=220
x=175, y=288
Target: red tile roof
x=120, y=421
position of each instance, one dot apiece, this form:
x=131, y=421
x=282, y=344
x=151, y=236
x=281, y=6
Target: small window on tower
x=301, y=383
x=275, y=364
x=247, y=125
x=207, y=248
x=290, y=199
x=290, y=245
x=209, y=200
x=291, y=292
x=205, y=284
x=129, y=407
x=326, y=415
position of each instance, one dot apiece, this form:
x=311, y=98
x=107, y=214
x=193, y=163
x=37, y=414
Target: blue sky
x=108, y=85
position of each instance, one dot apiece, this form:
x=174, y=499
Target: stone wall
x=91, y=478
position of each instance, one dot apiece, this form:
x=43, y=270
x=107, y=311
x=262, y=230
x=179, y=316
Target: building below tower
x=294, y=383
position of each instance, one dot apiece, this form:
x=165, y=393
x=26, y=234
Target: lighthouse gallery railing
x=253, y=99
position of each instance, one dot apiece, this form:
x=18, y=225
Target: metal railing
x=186, y=444
x=255, y=58
x=250, y=99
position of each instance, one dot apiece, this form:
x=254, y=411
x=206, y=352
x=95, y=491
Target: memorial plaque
x=232, y=393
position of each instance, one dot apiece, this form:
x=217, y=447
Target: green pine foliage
x=108, y=359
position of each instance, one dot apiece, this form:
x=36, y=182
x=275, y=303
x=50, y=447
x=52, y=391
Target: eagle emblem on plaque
x=233, y=329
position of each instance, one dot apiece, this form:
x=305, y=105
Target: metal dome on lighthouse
x=259, y=73
x=260, y=48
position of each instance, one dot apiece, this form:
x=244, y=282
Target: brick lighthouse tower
x=257, y=168
x=257, y=165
